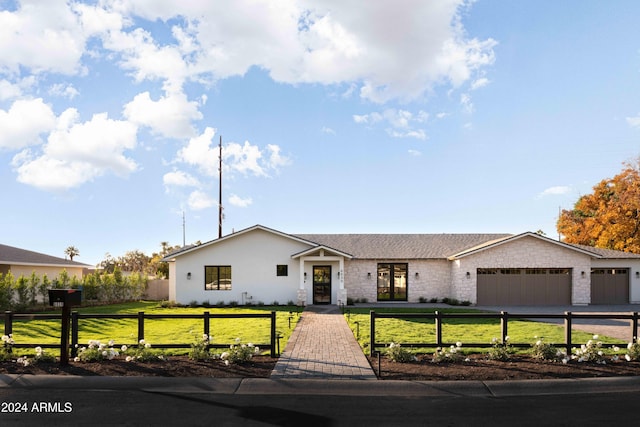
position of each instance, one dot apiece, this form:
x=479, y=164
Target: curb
x=266, y=386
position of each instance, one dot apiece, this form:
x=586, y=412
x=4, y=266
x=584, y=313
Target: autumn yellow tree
x=609, y=217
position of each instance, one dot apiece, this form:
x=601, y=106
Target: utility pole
x=220, y=190
x=184, y=240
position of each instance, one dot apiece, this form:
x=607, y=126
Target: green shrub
x=545, y=351
x=239, y=353
x=396, y=353
x=95, y=351
x=200, y=349
x=500, y=351
x=633, y=351
x=451, y=354
x=144, y=353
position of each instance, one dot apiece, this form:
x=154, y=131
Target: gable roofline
x=508, y=239
x=321, y=247
x=188, y=249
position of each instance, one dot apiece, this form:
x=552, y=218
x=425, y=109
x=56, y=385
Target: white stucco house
x=259, y=264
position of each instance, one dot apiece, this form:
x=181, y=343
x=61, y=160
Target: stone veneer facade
x=527, y=252
x=440, y=278
x=433, y=280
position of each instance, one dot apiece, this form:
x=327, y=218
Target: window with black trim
x=217, y=278
x=282, y=270
x=392, y=282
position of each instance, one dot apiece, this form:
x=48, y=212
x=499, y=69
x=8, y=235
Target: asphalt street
x=169, y=402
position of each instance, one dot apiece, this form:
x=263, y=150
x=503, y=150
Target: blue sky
x=367, y=117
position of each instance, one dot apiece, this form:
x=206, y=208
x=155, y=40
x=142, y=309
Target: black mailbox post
x=65, y=298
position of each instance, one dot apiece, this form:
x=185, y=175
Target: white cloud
x=238, y=201
x=402, y=123
x=245, y=158
x=634, y=122
x=328, y=130
x=199, y=200
x=63, y=90
x=24, y=122
x=180, y=179
x=324, y=41
x=479, y=83
x=467, y=104
x=415, y=153
x=171, y=116
x=42, y=37
x=9, y=90
x=78, y=152
x=555, y=191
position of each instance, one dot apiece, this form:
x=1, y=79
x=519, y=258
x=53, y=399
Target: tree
x=72, y=251
x=608, y=218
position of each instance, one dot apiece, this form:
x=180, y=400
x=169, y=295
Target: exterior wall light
x=468, y=275
x=417, y=274
x=637, y=274
x=189, y=276
x=369, y=276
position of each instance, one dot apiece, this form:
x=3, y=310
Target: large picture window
x=392, y=282
x=217, y=278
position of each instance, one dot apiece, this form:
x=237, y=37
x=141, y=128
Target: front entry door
x=322, y=284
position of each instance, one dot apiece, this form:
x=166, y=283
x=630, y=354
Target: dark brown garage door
x=524, y=286
x=610, y=286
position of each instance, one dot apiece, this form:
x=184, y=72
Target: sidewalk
x=322, y=346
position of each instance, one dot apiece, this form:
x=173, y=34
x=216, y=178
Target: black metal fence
x=504, y=317
x=206, y=317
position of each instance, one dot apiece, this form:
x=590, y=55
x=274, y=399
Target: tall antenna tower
x=184, y=233
x=220, y=190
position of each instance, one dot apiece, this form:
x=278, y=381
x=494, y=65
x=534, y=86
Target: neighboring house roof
x=16, y=256
x=401, y=246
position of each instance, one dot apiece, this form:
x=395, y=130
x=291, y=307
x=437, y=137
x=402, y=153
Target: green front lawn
x=455, y=330
x=162, y=331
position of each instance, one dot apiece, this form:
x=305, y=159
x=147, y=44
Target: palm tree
x=72, y=251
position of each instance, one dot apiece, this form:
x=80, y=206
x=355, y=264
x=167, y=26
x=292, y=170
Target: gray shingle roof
x=12, y=255
x=607, y=253
x=401, y=246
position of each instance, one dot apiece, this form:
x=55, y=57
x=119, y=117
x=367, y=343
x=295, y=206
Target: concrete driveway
x=616, y=328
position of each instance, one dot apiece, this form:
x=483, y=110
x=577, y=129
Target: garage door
x=524, y=286
x=610, y=286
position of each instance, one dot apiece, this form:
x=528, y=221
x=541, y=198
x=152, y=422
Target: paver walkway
x=322, y=346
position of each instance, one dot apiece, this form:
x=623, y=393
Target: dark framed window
x=217, y=278
x=282, y=270
x=392, y=282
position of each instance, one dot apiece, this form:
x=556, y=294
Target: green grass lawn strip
x=161, y=331
x=456, y=330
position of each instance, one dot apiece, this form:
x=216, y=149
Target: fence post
x=372, y=333
x=567, y=331
x=504, y=325
x=273, y=334
x=8, y=323
x=74, y=333
x=206, y=319
x=634, y=327
x=140, y=325
x=438, y=320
